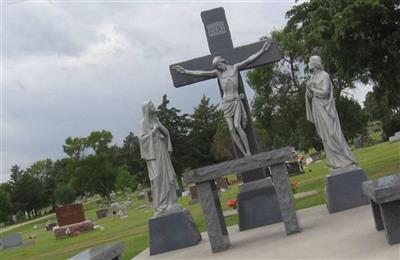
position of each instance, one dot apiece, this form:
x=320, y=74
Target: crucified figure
x=232, y=105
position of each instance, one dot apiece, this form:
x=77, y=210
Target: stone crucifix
x=225, y=63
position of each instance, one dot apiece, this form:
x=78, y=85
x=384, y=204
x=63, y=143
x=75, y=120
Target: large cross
x=220, y=44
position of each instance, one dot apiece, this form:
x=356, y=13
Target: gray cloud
x=71, y=68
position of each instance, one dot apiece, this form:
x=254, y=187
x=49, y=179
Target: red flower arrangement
x=232, y=203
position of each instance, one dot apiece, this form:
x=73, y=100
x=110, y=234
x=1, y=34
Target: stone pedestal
x=213, y=216
x=344, y=190
x=173, y=231
x=258, y=204
x=73, y=229
x=384, y=194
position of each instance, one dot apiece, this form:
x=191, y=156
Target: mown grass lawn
x=379, y=160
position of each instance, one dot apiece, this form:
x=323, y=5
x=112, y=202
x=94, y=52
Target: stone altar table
x=384, y=194
x=208, y=193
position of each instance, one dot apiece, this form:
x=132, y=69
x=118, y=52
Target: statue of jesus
x=232, y=105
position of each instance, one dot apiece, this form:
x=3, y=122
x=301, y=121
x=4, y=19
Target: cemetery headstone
x=221, y=183
x=71, y=221
x=103, y=252
x=149, y=196
x=70, y=214
x=294, y=168
x=102, y=213
x=50, y=226
x=11, y=241
x=141, y=195
x=395, y=138
x=193, y=194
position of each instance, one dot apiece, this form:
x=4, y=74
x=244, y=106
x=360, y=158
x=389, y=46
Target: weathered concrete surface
x=347, y=234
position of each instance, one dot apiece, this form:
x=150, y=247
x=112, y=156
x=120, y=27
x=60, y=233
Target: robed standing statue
x=155, y=146
x=321, y=111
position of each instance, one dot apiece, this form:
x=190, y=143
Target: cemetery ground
x=378, y=160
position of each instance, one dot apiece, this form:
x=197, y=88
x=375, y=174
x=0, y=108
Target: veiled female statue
x=155, y=146
x=321, y=111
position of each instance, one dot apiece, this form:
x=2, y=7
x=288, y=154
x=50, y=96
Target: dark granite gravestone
x=102, y=213
x=193, y=192
x=141, y=195
x=50, y=226
x=103, y=252
x=194, y=195
x=255, y=200
x=11, y=241
x=221, y=183
x=149, y=196
x=70, y=214
x=220, y=44
x=173, y=231
x=384, y=195
x=294, y=168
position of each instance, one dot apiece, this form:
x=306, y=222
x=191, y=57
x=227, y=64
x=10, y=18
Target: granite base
x=344, y=191
x=173, y=231
x=258, y=204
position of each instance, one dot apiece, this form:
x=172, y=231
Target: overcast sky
x=70, y=68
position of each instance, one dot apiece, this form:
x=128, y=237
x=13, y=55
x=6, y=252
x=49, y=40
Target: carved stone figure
x=232, y=105
x=321, y=111
x=155, y=146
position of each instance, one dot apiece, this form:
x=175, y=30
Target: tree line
x=358, y=42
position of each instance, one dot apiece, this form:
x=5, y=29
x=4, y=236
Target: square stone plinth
x=258, y=204
x=344, y=190
x=173, y=231
x=384, y=194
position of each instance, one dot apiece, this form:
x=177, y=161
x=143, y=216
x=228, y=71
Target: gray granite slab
x=258, y=204
x=261, y=160
x=171, y=232
x=344, y=191
x=383, y=190
x=11, y=240
x=285, y=198
x=213, y=216
x=111, y=251
x=390, y=213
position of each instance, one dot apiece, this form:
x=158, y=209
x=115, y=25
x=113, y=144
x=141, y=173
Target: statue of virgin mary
x=155, y=146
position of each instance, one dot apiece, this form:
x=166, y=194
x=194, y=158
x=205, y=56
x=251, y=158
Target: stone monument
x=172, y=226
x=11, y=240
x=384, y=194
x=225, y=63
x=71, y=221
x=112, y=251
x=344, y=184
